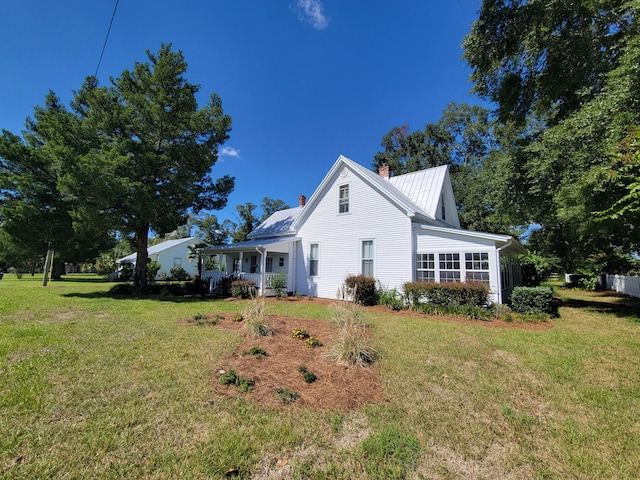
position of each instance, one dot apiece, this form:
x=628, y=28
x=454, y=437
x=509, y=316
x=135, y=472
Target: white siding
x=340, y=236
x=439, y=242
x=166, y=260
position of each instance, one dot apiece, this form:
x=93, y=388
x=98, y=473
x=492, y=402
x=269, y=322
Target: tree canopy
x=563, y=77
x=135, y=155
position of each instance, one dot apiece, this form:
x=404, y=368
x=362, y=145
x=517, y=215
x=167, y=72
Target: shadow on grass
x=621, y=306
x=149, y=296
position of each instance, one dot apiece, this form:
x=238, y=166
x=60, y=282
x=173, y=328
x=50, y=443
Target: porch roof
x=250, y=245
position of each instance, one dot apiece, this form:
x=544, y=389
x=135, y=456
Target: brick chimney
x=383, y=171
x=302, y=200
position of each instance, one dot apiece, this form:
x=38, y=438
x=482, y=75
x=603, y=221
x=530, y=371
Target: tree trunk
x=140, y=274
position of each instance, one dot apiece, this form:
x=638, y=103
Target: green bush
x=532, y=300
x=153, y=268
x=279, y=284
x=363, y=289
x=390, y=298
x=179, y=274
x=444, y=294
x=243, y=289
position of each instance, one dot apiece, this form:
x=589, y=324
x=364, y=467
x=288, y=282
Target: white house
x=396, y=229
x=169, y=254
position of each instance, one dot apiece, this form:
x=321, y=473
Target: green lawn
x=99, y=387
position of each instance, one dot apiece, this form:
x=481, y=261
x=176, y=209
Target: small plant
x=237, y=317
x=201, y=319
x=299, y=333
x=286, y=396
x=390, y=298
x=279, y=284
x=303, y=369
x=309, y=377
x=256, y=352
x=312, y=342
x=230, y=378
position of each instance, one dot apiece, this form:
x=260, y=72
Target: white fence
x=624, y=284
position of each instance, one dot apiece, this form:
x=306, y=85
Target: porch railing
x=216, y=277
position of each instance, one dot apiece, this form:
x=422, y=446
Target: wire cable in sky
x=113, y=15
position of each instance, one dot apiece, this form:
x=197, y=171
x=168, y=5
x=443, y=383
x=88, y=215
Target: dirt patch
x=337, y=387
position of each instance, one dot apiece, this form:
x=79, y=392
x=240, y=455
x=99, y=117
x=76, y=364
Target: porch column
x=241, y=260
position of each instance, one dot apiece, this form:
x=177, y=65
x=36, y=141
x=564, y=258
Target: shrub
x=243, y=289
x=532, y=300
x=444, y=294
x=363, y=289
x=502, y=312
x=390, y=298
x=153, y=268
x=179, y=274
x=279, y=284
x=346, y=313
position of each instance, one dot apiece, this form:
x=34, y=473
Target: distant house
x=396, y=229
x=169, y=254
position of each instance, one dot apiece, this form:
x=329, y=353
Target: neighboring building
x=169, y=254
x=396, y=229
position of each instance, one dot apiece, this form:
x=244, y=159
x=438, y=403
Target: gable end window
x=343, y=199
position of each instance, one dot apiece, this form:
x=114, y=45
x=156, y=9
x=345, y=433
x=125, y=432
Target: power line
x=113, y=15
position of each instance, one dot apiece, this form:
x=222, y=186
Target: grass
x=93, y=386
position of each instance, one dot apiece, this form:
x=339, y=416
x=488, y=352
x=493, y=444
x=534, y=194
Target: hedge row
x=444, y=294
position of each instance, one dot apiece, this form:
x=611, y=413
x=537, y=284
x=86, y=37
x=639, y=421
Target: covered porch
x=260, y=261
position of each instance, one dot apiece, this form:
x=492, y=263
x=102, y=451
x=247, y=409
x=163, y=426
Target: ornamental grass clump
x=256, y=318
x=350, y=346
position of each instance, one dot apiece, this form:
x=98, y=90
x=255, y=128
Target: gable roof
x=277, y=225
x=402, y=192
x=160, y=247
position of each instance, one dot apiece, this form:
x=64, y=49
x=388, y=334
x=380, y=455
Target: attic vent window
x=343, y=199
x=443, y=209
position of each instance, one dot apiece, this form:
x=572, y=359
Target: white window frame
x=371, y=259
x=477, y=267
x=316, y=259
x=344, y=204
x=451, y=272
x=268, y=267
x=426, y=267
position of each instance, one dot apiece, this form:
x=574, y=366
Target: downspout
x=499, y=271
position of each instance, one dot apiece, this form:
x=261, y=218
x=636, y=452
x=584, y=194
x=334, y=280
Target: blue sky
x=303, y=80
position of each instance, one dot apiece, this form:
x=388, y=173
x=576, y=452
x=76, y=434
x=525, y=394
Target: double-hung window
x=343, y=199
x=314, y=257
x=425, y=267
x=477, y=267
x=367, y=258
x=449, y=267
